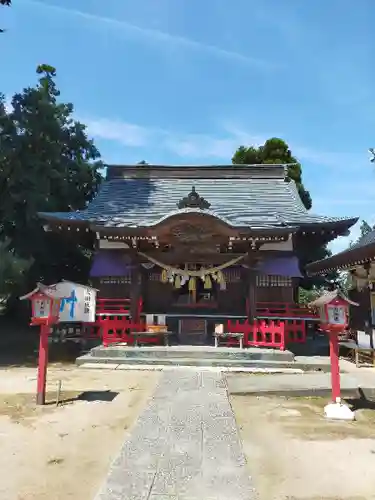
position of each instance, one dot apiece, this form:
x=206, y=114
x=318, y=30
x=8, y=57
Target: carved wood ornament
x=189, y=233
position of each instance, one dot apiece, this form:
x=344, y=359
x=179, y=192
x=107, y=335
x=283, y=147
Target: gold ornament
x=192, y=284
x=207, y=283
x=164, y=276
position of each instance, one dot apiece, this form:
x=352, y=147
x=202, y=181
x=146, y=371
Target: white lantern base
x=338, y=411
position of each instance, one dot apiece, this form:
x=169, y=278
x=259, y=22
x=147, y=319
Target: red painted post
x=335, y=365
x=42, y=365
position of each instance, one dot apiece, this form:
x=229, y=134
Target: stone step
x=199, y=362
x=191, y=352
x=226, y=369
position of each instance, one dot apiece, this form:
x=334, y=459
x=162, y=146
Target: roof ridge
x=268, y=171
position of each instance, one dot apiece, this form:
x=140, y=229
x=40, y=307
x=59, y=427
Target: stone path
x=184, y=446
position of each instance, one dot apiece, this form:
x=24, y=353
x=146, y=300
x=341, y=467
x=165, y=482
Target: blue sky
x=188, y=81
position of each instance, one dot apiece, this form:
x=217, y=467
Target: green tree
x=47, y=163
x=276, y=151
x=8, y=4
x=12, y=270
x=364, y=229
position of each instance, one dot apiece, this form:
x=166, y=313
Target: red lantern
x=45, y=305
x=333, y=310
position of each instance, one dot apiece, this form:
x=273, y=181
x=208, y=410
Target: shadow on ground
x=88, y=396
x=363, y=402
x=315, y=345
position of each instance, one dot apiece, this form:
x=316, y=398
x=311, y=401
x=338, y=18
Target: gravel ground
x=64, y=452
x=294, y=453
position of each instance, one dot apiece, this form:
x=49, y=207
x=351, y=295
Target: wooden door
x=192, y=331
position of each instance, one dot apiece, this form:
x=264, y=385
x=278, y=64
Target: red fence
x=113, y=322
x=261, y=333
x=284, y=310
x=283, y=323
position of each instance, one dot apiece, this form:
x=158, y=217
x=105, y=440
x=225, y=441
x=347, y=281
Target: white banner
x=79, y=304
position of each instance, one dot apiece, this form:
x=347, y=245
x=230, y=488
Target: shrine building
x=193, y=246
x=359, y=262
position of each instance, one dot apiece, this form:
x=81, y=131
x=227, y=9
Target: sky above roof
x=186, y=81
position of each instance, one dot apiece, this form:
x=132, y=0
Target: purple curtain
x=280, y=266
x=110, y=263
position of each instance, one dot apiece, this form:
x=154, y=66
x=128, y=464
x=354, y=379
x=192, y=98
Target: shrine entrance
x=194, y=297
x=192, y=331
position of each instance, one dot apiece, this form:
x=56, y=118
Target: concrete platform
x=216, y=369
x=307, y=384
x=191, y=352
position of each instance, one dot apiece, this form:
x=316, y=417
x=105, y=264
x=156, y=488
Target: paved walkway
x=185, y=446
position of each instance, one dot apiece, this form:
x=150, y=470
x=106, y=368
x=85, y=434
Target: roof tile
x=241, y=202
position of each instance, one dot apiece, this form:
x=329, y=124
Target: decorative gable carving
x=193, y=200
x=189, y=233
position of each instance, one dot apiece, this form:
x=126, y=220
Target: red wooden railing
x=283, y=323
x=283, y=309
x=113, y=322
x=260, y=333
x=119, y=330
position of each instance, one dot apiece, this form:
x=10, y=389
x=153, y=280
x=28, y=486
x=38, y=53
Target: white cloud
x=201, y=145
x=162, y=37
x=127, y=134
x=205, y=146
x=194, y=146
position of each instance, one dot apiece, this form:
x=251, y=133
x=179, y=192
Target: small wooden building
x=198, y=244
x=359, y=262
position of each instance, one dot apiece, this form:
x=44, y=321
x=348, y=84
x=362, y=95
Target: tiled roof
x=240, y=200
x=367, y=239
x=362, y=251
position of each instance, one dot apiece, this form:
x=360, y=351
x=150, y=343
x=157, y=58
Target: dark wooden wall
x=160, y=297
x=275, y=294
x=358, y=315
x=111, y=288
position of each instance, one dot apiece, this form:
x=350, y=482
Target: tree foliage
x=274, y=151
x=364, y=229
x=8, y=4
x=12, y=271
x=47, y=163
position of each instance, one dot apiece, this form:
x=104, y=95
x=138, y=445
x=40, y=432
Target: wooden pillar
x=252, y=284
x=135, y=293
x=42, y=365
x=335, y=367
x=368, y=323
